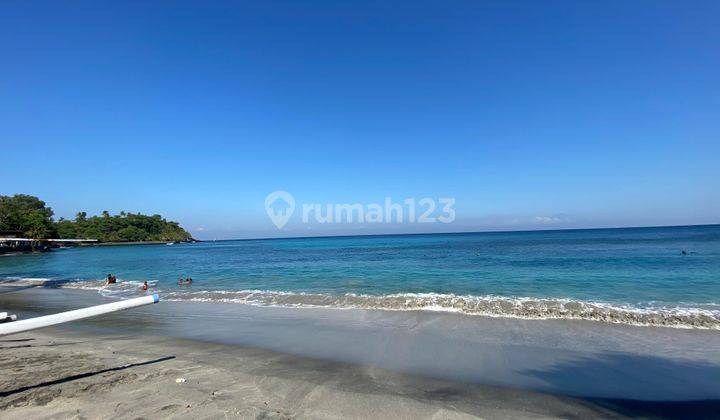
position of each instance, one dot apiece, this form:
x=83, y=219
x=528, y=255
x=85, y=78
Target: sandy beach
x=57, y=374
x=236, y=361
x=71, y=375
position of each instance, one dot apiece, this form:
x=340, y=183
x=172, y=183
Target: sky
x=530, y=114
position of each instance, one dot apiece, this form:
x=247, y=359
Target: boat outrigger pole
x=48, y=320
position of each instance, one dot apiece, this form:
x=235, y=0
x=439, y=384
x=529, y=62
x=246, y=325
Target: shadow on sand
x=649, y=386
x=83, y=375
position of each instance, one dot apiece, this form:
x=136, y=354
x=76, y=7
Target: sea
x=659, y=276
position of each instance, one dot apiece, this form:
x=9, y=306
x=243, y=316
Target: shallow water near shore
x=636, y=276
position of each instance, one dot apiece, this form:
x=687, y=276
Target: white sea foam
x=123, y=289
x=687, y=315
x=705, y=317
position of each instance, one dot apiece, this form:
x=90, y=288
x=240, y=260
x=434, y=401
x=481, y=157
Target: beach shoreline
x=244, y=361
x=68, y=374
x=624, y=276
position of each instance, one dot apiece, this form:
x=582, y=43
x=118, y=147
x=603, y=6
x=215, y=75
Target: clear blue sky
x=535, y=114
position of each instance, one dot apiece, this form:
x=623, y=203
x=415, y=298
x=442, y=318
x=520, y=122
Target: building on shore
x=12, y=241
x=15, y=244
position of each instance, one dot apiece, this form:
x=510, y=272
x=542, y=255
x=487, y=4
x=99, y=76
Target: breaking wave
x=695, y=316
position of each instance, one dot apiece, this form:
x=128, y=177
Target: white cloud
x=549, y=220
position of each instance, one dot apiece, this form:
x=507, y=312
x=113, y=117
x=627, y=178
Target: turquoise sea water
x=637, y=275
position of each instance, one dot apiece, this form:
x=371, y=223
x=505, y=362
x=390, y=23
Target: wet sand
x=71, y=374
x=246, y=362
x=75, y=375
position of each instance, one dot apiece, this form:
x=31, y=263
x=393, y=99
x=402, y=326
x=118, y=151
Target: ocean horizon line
x=374, y=235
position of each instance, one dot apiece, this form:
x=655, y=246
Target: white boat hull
x=49, y=320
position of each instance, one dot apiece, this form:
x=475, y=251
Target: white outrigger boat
x=11, y=326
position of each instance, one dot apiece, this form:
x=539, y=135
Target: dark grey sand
x=65, y=375
x=248, y=362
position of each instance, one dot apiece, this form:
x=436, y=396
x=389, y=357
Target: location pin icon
x=279, y=206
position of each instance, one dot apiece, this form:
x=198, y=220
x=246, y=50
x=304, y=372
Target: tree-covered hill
x=31, y=216
x=124, y=227
x=26, y=214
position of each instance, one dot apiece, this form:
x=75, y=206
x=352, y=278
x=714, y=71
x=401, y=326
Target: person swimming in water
x=145, y=285
x=111, y=279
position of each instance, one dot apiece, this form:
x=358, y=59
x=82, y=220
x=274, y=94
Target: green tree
x=67, y=229
x=28, y=214
x=39, y=227
x=31, y=216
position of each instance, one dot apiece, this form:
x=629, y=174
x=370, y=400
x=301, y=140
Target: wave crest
x=702, y=317
x=496, y=306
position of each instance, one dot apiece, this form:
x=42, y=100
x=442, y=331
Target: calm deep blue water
x=637, y=268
